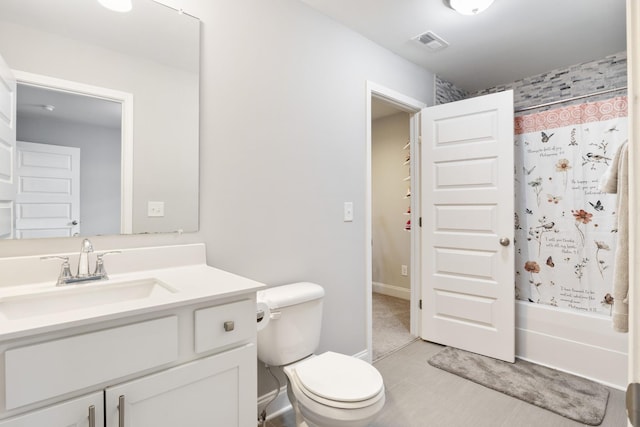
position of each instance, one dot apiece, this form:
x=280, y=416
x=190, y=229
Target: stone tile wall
x=562, y=83
x=448, y=92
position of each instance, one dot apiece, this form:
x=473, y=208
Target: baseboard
x=580, y=344
x=278, y=406
x=363, y=355
x=392, y=290
x=281, y=404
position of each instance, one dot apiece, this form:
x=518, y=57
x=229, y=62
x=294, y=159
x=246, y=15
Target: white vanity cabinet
x=190, y=366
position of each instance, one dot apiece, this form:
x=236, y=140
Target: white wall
x=288, y=148
x=391, y=242
x=282, y=146
x=99, y=167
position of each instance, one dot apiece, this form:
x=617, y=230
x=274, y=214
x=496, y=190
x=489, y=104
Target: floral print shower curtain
x=565, y=227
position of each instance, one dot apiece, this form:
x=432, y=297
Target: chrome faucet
x=83, y=275
x=83, y=259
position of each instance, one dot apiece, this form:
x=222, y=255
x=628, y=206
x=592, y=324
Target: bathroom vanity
x=165, y=341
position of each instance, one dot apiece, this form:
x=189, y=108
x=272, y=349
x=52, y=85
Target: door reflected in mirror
x=152, y=55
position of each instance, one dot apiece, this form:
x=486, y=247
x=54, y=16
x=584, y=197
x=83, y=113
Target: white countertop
x=191, y=284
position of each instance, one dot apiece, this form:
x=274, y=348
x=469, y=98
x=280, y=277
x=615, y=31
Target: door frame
x=633, y=57
x=412, y=106
x=126, y=137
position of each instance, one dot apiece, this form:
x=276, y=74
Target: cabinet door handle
x=92, y=416
x=229, y=326
x=121, y=411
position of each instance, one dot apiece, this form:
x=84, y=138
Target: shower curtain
x=565, y=227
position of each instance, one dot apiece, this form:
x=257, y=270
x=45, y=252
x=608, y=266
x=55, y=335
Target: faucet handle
x=101, y=254
x=65, y=270
x=100, y=270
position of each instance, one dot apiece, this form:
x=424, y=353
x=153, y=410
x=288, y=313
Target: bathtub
x=581, y=344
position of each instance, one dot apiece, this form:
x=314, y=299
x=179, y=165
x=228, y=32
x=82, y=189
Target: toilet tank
x=293, y=330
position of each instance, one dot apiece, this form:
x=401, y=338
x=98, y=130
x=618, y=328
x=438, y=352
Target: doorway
x=92, y=110
x=391, y=227
x=381, y=103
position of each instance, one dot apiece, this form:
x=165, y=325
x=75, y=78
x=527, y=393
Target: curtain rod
x=602, y=92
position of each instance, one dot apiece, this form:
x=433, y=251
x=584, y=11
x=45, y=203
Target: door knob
x=505, y=241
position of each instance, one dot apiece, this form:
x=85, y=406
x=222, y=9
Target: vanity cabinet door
x=72, y=413
x=218, y=390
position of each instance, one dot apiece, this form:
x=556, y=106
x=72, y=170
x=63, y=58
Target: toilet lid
x=339, y=377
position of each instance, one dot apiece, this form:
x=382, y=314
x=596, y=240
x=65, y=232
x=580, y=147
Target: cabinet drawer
x=41, y=371
x=210, y=331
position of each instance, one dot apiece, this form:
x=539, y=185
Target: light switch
x=348, y=211
x=155, y=209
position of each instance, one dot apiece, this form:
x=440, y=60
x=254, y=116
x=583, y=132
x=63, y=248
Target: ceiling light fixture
x=117, y=5
x=49, y=107
x=469, y=7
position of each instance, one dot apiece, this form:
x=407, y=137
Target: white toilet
x=325, y=390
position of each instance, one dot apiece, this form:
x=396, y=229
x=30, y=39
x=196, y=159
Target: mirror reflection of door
x=68, y=162
x=48, y=197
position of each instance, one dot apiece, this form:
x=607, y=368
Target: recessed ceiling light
x=117, y=5
x=469, y=7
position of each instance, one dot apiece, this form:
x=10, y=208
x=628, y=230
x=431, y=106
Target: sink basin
x=78, y=296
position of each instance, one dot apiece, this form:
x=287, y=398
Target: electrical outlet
x=155, y=209
x=348, y=211
x=404, y=270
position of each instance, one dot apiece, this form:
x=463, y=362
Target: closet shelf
x=407, y=162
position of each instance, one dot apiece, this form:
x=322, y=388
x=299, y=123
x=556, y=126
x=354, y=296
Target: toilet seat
x=337, y=381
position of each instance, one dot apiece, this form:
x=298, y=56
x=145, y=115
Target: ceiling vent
x=431, y=41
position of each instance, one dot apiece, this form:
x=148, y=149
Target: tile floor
x=419, y=395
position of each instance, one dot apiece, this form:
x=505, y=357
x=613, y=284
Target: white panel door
x=7, y=150
x=48, y=197
x=467, y=209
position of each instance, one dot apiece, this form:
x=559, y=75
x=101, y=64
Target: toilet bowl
x=325, y=390
x=335, y=390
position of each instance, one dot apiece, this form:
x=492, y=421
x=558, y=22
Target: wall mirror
x=114, y=95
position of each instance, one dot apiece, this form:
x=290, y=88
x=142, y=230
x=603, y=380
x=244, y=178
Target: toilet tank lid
x=288, y=295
